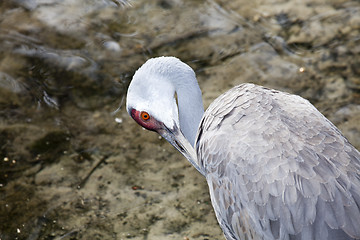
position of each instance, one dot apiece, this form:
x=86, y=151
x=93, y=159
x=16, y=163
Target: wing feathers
x=277, y=168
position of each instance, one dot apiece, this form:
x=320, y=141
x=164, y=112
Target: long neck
x=190, y=107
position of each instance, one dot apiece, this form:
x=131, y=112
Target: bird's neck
x=190, y=106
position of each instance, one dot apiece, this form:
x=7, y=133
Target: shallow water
x=72, y=167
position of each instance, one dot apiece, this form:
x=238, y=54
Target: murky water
x=68, y=170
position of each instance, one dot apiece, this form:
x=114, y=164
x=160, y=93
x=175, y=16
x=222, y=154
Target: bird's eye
x=144, y=116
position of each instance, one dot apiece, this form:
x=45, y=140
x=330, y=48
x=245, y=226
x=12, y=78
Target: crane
x=275, y=166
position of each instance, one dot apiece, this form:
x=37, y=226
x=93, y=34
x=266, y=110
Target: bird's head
x=151, y=100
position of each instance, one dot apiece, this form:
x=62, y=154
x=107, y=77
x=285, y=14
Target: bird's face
x=151, y=101
x=171, y=133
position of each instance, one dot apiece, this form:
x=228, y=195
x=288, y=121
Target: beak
x=176, y=138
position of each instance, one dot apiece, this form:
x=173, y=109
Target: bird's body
x=275, y=166
x=293, y=172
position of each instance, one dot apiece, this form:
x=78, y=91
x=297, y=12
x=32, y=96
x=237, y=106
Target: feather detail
x=292, y=173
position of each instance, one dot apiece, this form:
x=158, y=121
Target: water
x=71, y=168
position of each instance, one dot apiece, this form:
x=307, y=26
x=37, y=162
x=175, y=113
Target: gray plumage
x=277, y=168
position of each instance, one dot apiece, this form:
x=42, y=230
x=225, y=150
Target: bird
x=276, y=167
